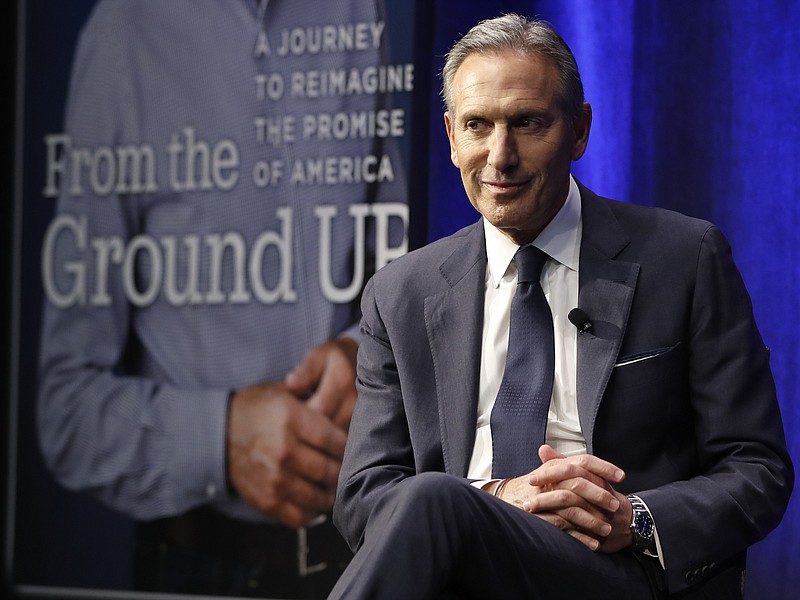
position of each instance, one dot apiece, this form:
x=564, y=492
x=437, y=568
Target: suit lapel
x=606, y=294
x=454, y=321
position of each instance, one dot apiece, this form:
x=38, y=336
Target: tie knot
x=530, y=261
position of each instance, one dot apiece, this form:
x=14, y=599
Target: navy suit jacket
x=674, y=384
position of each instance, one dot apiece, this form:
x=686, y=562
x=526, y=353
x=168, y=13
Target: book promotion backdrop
x=206, y=186
x=200, y=189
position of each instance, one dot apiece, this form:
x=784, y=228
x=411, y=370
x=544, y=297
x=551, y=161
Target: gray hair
x=515, y=33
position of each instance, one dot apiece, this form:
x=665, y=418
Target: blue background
x=696, y=108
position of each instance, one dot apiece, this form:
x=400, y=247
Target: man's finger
x=321, y=433
x=310, y=498
x=586, y=540
x=573, y=509
x=326, y=376
x=316, y=467
x=581, y=465
x=304, y=376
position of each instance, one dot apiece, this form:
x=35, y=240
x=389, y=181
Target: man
x=664, y=454
x=199, y=376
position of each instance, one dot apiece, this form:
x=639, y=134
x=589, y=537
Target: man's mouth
x=503, y=188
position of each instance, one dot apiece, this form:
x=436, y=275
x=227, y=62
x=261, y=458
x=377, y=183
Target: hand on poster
x=286, y=440
x=327, y=377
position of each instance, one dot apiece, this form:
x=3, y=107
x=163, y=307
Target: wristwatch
x=642, y=528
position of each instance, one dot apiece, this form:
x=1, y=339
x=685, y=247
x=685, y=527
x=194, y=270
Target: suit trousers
x=435, y=536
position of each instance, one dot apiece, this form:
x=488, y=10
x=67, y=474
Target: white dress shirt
x=561, y=240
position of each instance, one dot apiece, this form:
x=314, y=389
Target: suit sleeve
x=745, y=474
x=379, y=452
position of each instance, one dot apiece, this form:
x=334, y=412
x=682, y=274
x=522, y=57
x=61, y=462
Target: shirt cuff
x=200, y=457
x=479, y=483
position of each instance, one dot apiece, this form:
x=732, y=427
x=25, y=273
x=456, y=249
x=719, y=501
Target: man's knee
x=430, y=496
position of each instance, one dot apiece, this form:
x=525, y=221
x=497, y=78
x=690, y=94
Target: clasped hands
x=575, y=494
x=286, y=439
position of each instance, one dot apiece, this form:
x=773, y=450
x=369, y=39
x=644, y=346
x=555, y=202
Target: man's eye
x=475, y=125
x=530, y=123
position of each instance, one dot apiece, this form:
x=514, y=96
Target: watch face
x=644, y=525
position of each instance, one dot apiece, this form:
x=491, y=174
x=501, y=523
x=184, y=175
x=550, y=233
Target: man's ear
x=582, y=126
x=448, y=125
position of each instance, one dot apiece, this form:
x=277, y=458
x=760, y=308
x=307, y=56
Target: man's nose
x=502, y=149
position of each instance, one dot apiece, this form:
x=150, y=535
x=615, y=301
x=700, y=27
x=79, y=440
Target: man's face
x=511, y=141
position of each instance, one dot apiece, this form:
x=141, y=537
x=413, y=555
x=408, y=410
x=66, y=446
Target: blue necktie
x=519, y=416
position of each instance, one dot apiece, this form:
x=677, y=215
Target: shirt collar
x=560, y=239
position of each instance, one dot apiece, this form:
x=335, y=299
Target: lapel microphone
x=580, y=319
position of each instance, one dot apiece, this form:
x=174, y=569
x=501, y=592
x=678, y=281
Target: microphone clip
x=581, y=320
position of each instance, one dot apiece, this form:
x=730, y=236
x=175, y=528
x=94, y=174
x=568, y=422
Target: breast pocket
x=643, y=356
x=646, y=390
x=646, y=369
